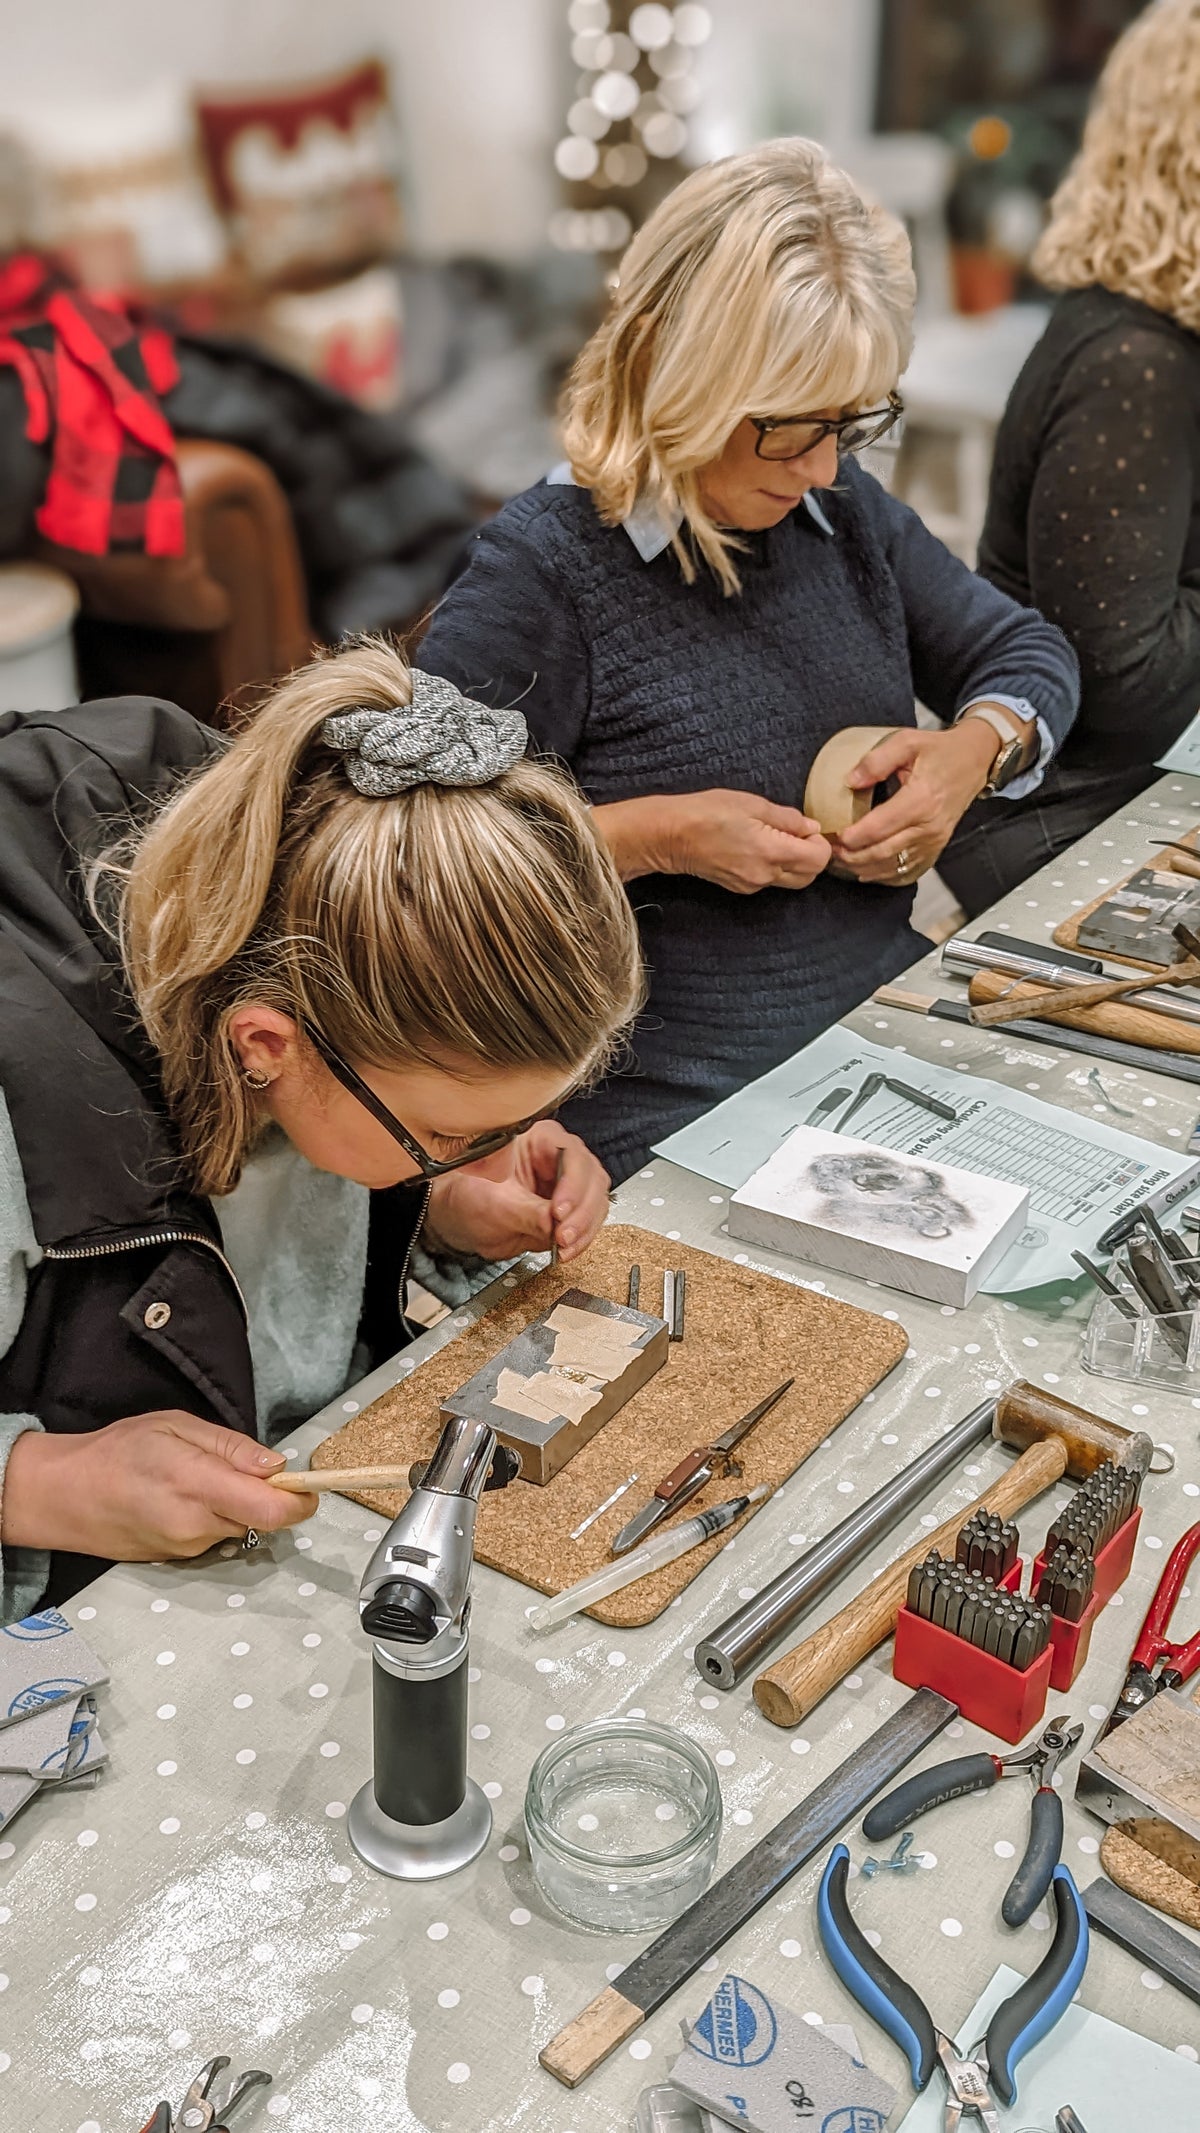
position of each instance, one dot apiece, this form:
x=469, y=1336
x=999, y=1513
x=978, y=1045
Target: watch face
x=1006, y=766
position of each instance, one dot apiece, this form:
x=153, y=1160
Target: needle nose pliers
x=977, y=1773
x=1017, y=2025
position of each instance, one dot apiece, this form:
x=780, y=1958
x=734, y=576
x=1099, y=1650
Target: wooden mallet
x=1053, y=1439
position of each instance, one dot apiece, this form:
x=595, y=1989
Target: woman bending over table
x=363, y=948
x=1094, y=510
x=709, y=589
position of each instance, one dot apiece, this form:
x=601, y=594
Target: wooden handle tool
x=794, y=1684
x=1109, y=1017
x=990, y=1009
x=314, y=1481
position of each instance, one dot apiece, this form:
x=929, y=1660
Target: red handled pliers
x=1157, y=1663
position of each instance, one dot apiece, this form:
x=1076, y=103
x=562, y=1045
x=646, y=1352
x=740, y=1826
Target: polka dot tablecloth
x=204, y=1898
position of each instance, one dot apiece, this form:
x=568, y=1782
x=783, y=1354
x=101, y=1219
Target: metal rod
x=738, y=1643
x=964, y=957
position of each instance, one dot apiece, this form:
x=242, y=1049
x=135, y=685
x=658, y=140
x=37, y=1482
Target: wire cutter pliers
x=1156, y=1662
x=1017, y=2025
x=977, y=1773
x=200, y=2112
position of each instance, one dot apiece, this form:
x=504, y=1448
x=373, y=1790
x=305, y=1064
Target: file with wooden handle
x=1028, y=1000
x=1044, y=1001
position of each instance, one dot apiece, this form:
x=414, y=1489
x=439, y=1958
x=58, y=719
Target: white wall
x=477, y=82
x=787, y=66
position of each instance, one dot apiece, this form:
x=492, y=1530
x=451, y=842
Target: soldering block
x=562, y=1379
x=884, y=1214
x=753, y=2063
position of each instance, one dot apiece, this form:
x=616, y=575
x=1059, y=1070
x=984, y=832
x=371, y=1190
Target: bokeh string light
x=626, y=133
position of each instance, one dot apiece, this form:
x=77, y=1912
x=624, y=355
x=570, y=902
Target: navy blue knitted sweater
x=644, y=684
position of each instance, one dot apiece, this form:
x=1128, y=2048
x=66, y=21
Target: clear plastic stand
x=1145, y=1350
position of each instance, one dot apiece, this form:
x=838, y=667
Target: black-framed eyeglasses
x=791, y=436
x=428, y=1166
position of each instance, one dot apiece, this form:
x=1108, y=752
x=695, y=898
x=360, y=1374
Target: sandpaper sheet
x=744, y=1333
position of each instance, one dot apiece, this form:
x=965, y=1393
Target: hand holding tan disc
x=827, y=797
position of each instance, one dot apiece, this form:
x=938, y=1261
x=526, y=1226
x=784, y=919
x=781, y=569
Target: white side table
x=37, y=658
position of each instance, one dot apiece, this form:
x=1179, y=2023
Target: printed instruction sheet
x=1080, y=1173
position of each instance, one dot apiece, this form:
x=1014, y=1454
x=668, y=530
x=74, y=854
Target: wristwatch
x=1011, y=758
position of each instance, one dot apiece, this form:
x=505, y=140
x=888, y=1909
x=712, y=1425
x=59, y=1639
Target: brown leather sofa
x=208, y=628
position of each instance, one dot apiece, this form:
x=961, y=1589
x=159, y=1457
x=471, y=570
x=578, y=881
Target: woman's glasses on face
x=428, y=1166
x=791, y=436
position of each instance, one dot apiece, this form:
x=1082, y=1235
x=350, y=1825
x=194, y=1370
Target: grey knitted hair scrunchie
x=441, y=738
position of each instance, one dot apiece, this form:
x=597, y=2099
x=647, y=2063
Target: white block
x=881, y=1214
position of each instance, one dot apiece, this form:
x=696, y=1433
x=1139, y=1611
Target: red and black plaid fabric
x=92, y=377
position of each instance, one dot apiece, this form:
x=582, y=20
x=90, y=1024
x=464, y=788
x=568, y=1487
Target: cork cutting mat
x=1066, y=933
x=744, y=1333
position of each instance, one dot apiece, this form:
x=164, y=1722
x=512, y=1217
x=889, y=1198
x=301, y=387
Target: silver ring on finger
x=904, y=861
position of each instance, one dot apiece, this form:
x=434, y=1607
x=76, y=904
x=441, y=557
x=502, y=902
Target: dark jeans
x=1000, y=843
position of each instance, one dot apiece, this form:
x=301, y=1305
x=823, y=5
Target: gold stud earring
x=255, y=1081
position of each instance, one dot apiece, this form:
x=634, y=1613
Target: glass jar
x=623, y=1819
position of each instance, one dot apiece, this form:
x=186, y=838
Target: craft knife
x=692, y=1473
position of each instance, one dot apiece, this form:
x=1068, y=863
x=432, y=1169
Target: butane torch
x=421, y=1816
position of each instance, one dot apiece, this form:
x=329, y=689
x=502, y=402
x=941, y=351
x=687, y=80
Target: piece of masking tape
x=827, y=797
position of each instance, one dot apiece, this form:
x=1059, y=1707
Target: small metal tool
x=1068, y=2121
x=867, y=1088
x=922, y=1098
x=635, y=1288
x=1097, y=1088
x=558, y=1171
x=692, y=1472
x=601, y=1508
x=678, y=1303
x=829, y=1102
x=201, y=2112
x=898, y=1863
x=1106, y=1286
x=668, y=1302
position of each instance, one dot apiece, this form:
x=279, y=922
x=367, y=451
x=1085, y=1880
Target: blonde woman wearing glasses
x=709, y=589
x=362, y=949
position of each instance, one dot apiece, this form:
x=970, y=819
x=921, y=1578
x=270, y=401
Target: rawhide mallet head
x=1026, y=1414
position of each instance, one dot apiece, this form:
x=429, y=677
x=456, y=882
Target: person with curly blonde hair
x=1094, y=510
x=710, y=588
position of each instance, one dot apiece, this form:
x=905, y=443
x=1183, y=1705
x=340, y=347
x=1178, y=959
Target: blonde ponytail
x=470, y=928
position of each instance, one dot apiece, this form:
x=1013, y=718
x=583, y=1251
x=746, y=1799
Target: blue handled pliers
x=1017, y=2025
